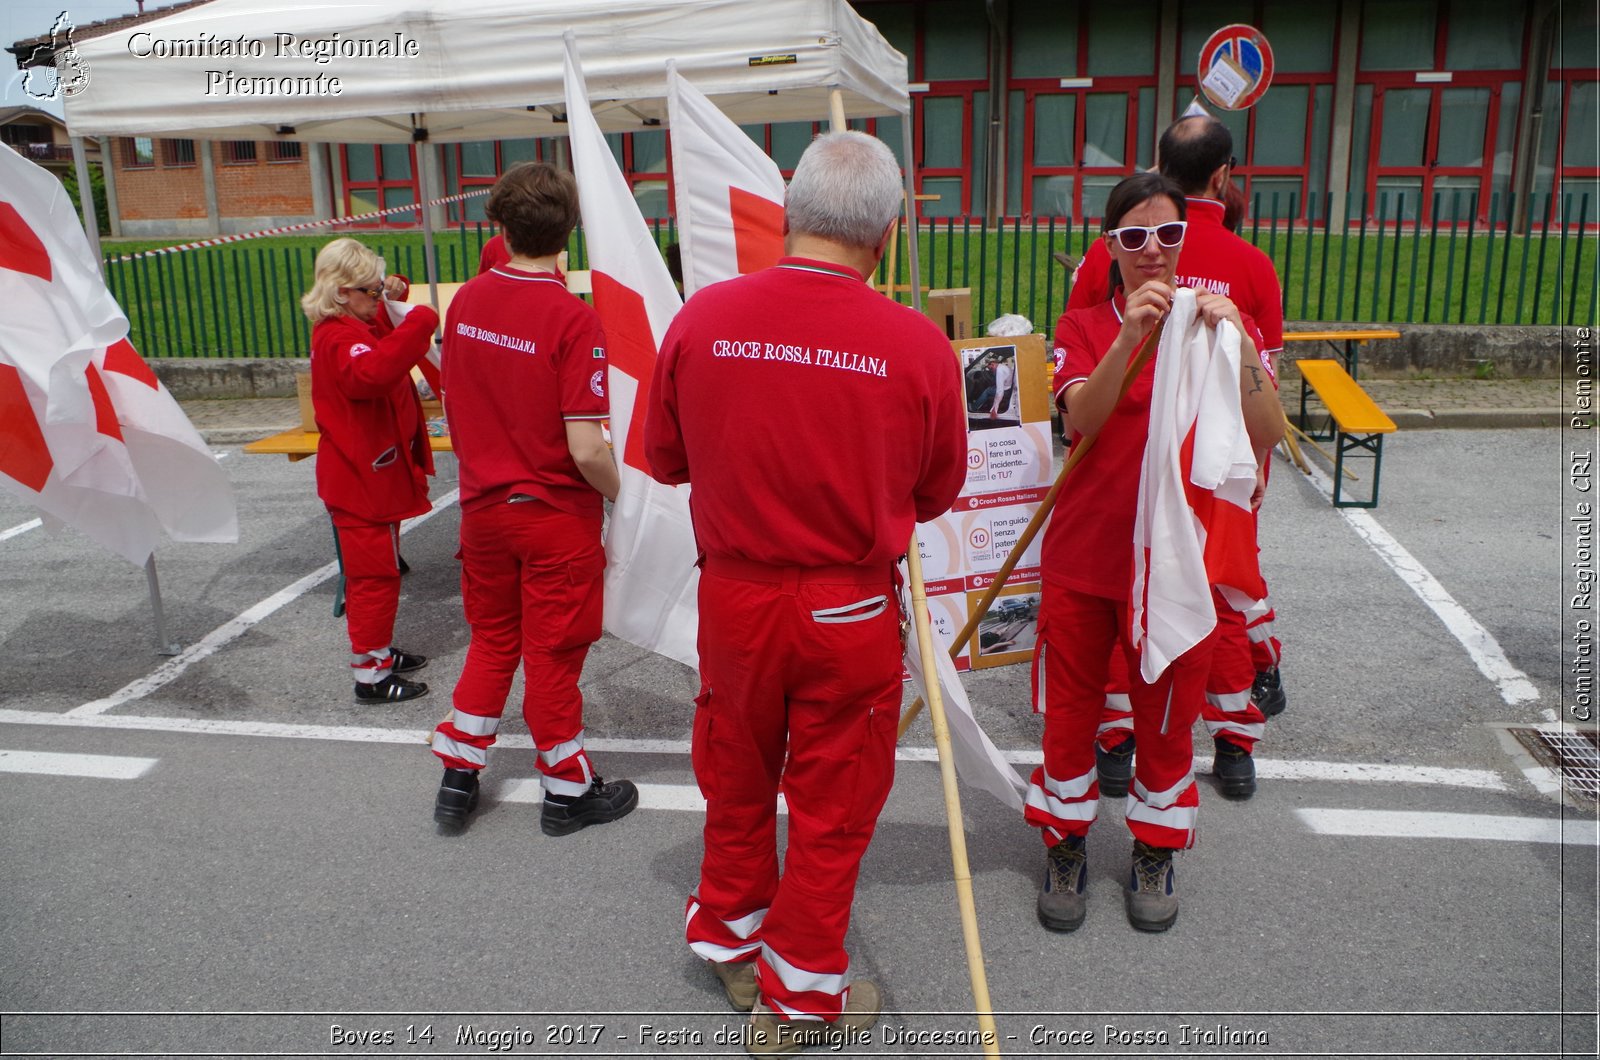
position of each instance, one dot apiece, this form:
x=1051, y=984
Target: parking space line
x=231, y=630
x=100, y=767
x=1480, y=644
x=21, y=528
x=1417, y=825
x=684, y=798
x=1266, y=768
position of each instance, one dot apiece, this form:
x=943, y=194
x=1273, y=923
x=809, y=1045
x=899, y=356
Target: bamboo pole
x=1312, y=442
x=952, y=805
x=1140, y=356
x=1290, y=444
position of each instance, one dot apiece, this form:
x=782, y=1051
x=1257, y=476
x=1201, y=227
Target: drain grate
x=1573, y=755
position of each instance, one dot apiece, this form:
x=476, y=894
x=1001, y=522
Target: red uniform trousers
x=803, y=663
x=1228, y=711
x=1078, y=633
x=532, y=586
x=370, y=555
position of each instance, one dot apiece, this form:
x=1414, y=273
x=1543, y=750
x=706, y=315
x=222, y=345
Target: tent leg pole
x=86, y=204
x=427, y=155
x=915, y=274
x=163, y=645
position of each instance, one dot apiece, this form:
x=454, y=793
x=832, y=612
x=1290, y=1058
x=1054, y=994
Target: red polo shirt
x=816, y=419
x=521, y=357
x=1088, y=545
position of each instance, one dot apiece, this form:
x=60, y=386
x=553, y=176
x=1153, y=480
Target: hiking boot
x=738, y=982
x=1061, y=905
x=458, y=797
x=1152, y=890
x=565, y=814
x=1235, y=770
x=1115, y=767
x=403, y=662
x=392, y=689
x=1266, y=692
x=771, y=1036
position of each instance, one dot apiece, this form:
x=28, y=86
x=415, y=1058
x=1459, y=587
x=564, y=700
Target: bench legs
x=1371, y=444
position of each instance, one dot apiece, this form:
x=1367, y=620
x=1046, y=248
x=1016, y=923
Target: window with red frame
x=239, y=152
x=177, y=153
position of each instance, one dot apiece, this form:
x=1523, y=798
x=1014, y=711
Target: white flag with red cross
x=1193, y=526
x=728, y=192
x=87, y=432
x=651, y=580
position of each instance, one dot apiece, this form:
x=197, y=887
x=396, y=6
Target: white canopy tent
x=445, y=71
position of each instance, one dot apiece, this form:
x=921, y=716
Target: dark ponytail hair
x=1139, y=188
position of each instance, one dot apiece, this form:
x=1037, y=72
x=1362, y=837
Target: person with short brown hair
x=525, y=394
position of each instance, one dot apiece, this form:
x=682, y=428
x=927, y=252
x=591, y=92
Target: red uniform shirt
x=815, y=418
x=494, y=254
x=1088, y=545
x=1212, y=258
x=521, y=357
x=373, y=457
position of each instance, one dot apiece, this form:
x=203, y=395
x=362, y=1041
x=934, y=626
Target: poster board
x=1008, y=474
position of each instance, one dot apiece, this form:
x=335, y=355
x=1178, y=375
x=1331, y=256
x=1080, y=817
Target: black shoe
x=1235, y=770
x=565, y=814
x=391, y=689
x=1266, y=692
x=403, y=662
x=1115, y=768
x=458, y=797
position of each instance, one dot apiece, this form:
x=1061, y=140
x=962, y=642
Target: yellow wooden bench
x=1354, y=420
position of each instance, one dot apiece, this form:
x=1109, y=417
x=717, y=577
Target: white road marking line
x=102, y=767
x=1481, y=646
x=21, y=528
x=682, y=797
x=1277, y=769
x=1414, y=825
x=231, y=630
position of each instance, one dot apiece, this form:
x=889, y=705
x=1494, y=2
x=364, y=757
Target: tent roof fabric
x=473, y=69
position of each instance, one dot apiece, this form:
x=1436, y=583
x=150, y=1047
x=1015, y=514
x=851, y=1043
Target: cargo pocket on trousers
x=701, y=758
x=586, y=576
x=874, y=772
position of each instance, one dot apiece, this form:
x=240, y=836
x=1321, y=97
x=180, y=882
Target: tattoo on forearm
x=1255, y=377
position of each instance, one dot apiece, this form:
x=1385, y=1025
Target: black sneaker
x=392, y=689
x=403, y=662
x=1061, y=906
x=1115, y=767
x=565, y=814
x=458, y=797
x=1266, y=692
x=1235, y=770
x=1152, y=889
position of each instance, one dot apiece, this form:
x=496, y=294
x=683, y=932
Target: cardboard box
x=951, y=309
x=302, y=389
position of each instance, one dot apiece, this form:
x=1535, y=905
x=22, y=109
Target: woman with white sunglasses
x=1087, y=572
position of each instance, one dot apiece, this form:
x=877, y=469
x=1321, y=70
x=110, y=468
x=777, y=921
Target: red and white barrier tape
x=354, y=218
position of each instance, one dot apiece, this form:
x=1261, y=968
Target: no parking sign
x=1235, y=66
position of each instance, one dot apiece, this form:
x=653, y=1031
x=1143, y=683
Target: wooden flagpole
x=1142, y=355
x=952, y=805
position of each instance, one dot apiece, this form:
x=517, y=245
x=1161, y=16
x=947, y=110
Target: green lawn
x=242, y=299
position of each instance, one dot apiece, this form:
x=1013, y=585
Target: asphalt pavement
x=253, y=869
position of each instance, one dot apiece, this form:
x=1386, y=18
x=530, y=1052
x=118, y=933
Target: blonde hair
x=342, y=263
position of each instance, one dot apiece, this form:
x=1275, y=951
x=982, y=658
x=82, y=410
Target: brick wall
x=262, y=187
x=159, y=192
x=167, y=199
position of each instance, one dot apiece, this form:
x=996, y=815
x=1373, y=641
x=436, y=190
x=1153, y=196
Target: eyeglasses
x=1132, y=238
x=370, y=292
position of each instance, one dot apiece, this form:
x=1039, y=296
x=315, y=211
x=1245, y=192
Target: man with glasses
x=1196, y=153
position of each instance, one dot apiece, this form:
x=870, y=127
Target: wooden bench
x=298, y=443
x=1354, y=420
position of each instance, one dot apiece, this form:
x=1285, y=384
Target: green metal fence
x=242, y=300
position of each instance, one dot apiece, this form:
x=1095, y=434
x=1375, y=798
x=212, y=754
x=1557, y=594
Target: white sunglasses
x=1132, y=238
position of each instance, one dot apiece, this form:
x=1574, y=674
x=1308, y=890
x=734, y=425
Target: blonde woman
x=372, y=457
